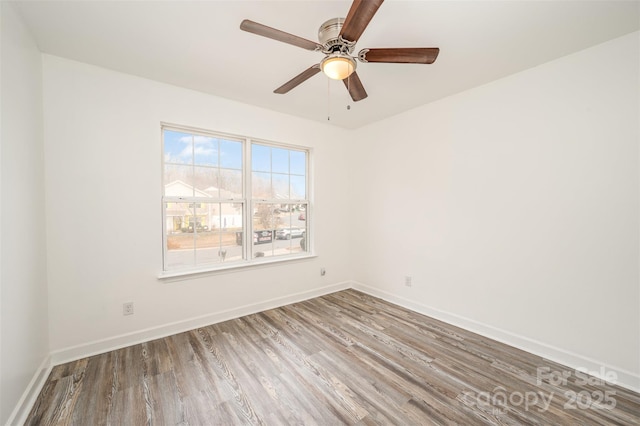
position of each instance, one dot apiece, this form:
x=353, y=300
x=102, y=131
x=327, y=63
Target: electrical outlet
x=323, y=272
x=127, y=308
x=408, y=281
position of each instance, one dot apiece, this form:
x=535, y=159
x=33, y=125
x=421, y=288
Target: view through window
x=217, y=187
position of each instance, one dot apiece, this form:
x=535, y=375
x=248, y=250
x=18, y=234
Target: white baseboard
x=28, y=398
x=626, y=379
x=116, y=342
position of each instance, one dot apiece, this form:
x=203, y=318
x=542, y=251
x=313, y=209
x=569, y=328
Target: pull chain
x=349, y=89
x=329, y=96
x=328, y=99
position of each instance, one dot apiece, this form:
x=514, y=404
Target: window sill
x=232, y=267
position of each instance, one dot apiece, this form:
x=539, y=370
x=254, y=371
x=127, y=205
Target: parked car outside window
x=288, y=233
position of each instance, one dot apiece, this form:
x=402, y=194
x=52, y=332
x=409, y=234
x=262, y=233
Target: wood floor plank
x=128, y=408
x=239, y=401
x=97, y=391
x=344, y=358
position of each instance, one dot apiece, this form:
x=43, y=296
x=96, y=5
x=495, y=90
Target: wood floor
x=344, y=358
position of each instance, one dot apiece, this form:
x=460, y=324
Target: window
x=279, y=200
x=230, y=201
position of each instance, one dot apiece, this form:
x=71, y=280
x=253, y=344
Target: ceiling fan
x=338, y=38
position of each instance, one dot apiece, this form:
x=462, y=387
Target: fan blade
x=358, y=18
x=298, y=79
x=263, y=30
x=400, y=55
x=355, y=87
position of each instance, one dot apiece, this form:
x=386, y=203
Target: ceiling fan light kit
x=338, y=38
x=338, y=66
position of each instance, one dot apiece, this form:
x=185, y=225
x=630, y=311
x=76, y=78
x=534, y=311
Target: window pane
x=298, y=163
x=180, y=242
x=263, y=217
x=219, y=238
x=263, y=229
x=299, y=219
x=261, y=185
x=280, y=187
x=279, y=160
x=218, y=246
x=205, y=214
x=202, y=233
x=178, y=181
x=206, y=150
x=226, y=232
x=230, y=217
x=298, y=187
x=283, y=222
x=206, y=181
x=230, y=184
x=177, y=147
x=260, y=158
x=231, y=154
x=290, y=230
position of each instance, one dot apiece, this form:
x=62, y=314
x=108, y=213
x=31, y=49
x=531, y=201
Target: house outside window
x=230, y=201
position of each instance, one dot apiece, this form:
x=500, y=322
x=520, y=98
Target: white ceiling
x=198, y=45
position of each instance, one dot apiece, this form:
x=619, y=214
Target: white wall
x=24, y=332
x=103, y=183
x=514, y=206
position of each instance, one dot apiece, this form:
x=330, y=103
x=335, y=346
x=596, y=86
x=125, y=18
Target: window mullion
x=248, y=195
x=193, y=220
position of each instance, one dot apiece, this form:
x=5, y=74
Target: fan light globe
x=338, y=67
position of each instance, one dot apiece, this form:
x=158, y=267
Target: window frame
x=247, y=202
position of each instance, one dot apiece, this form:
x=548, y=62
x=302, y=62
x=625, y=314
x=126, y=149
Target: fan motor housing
x=330, y=30
x=329, y=37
